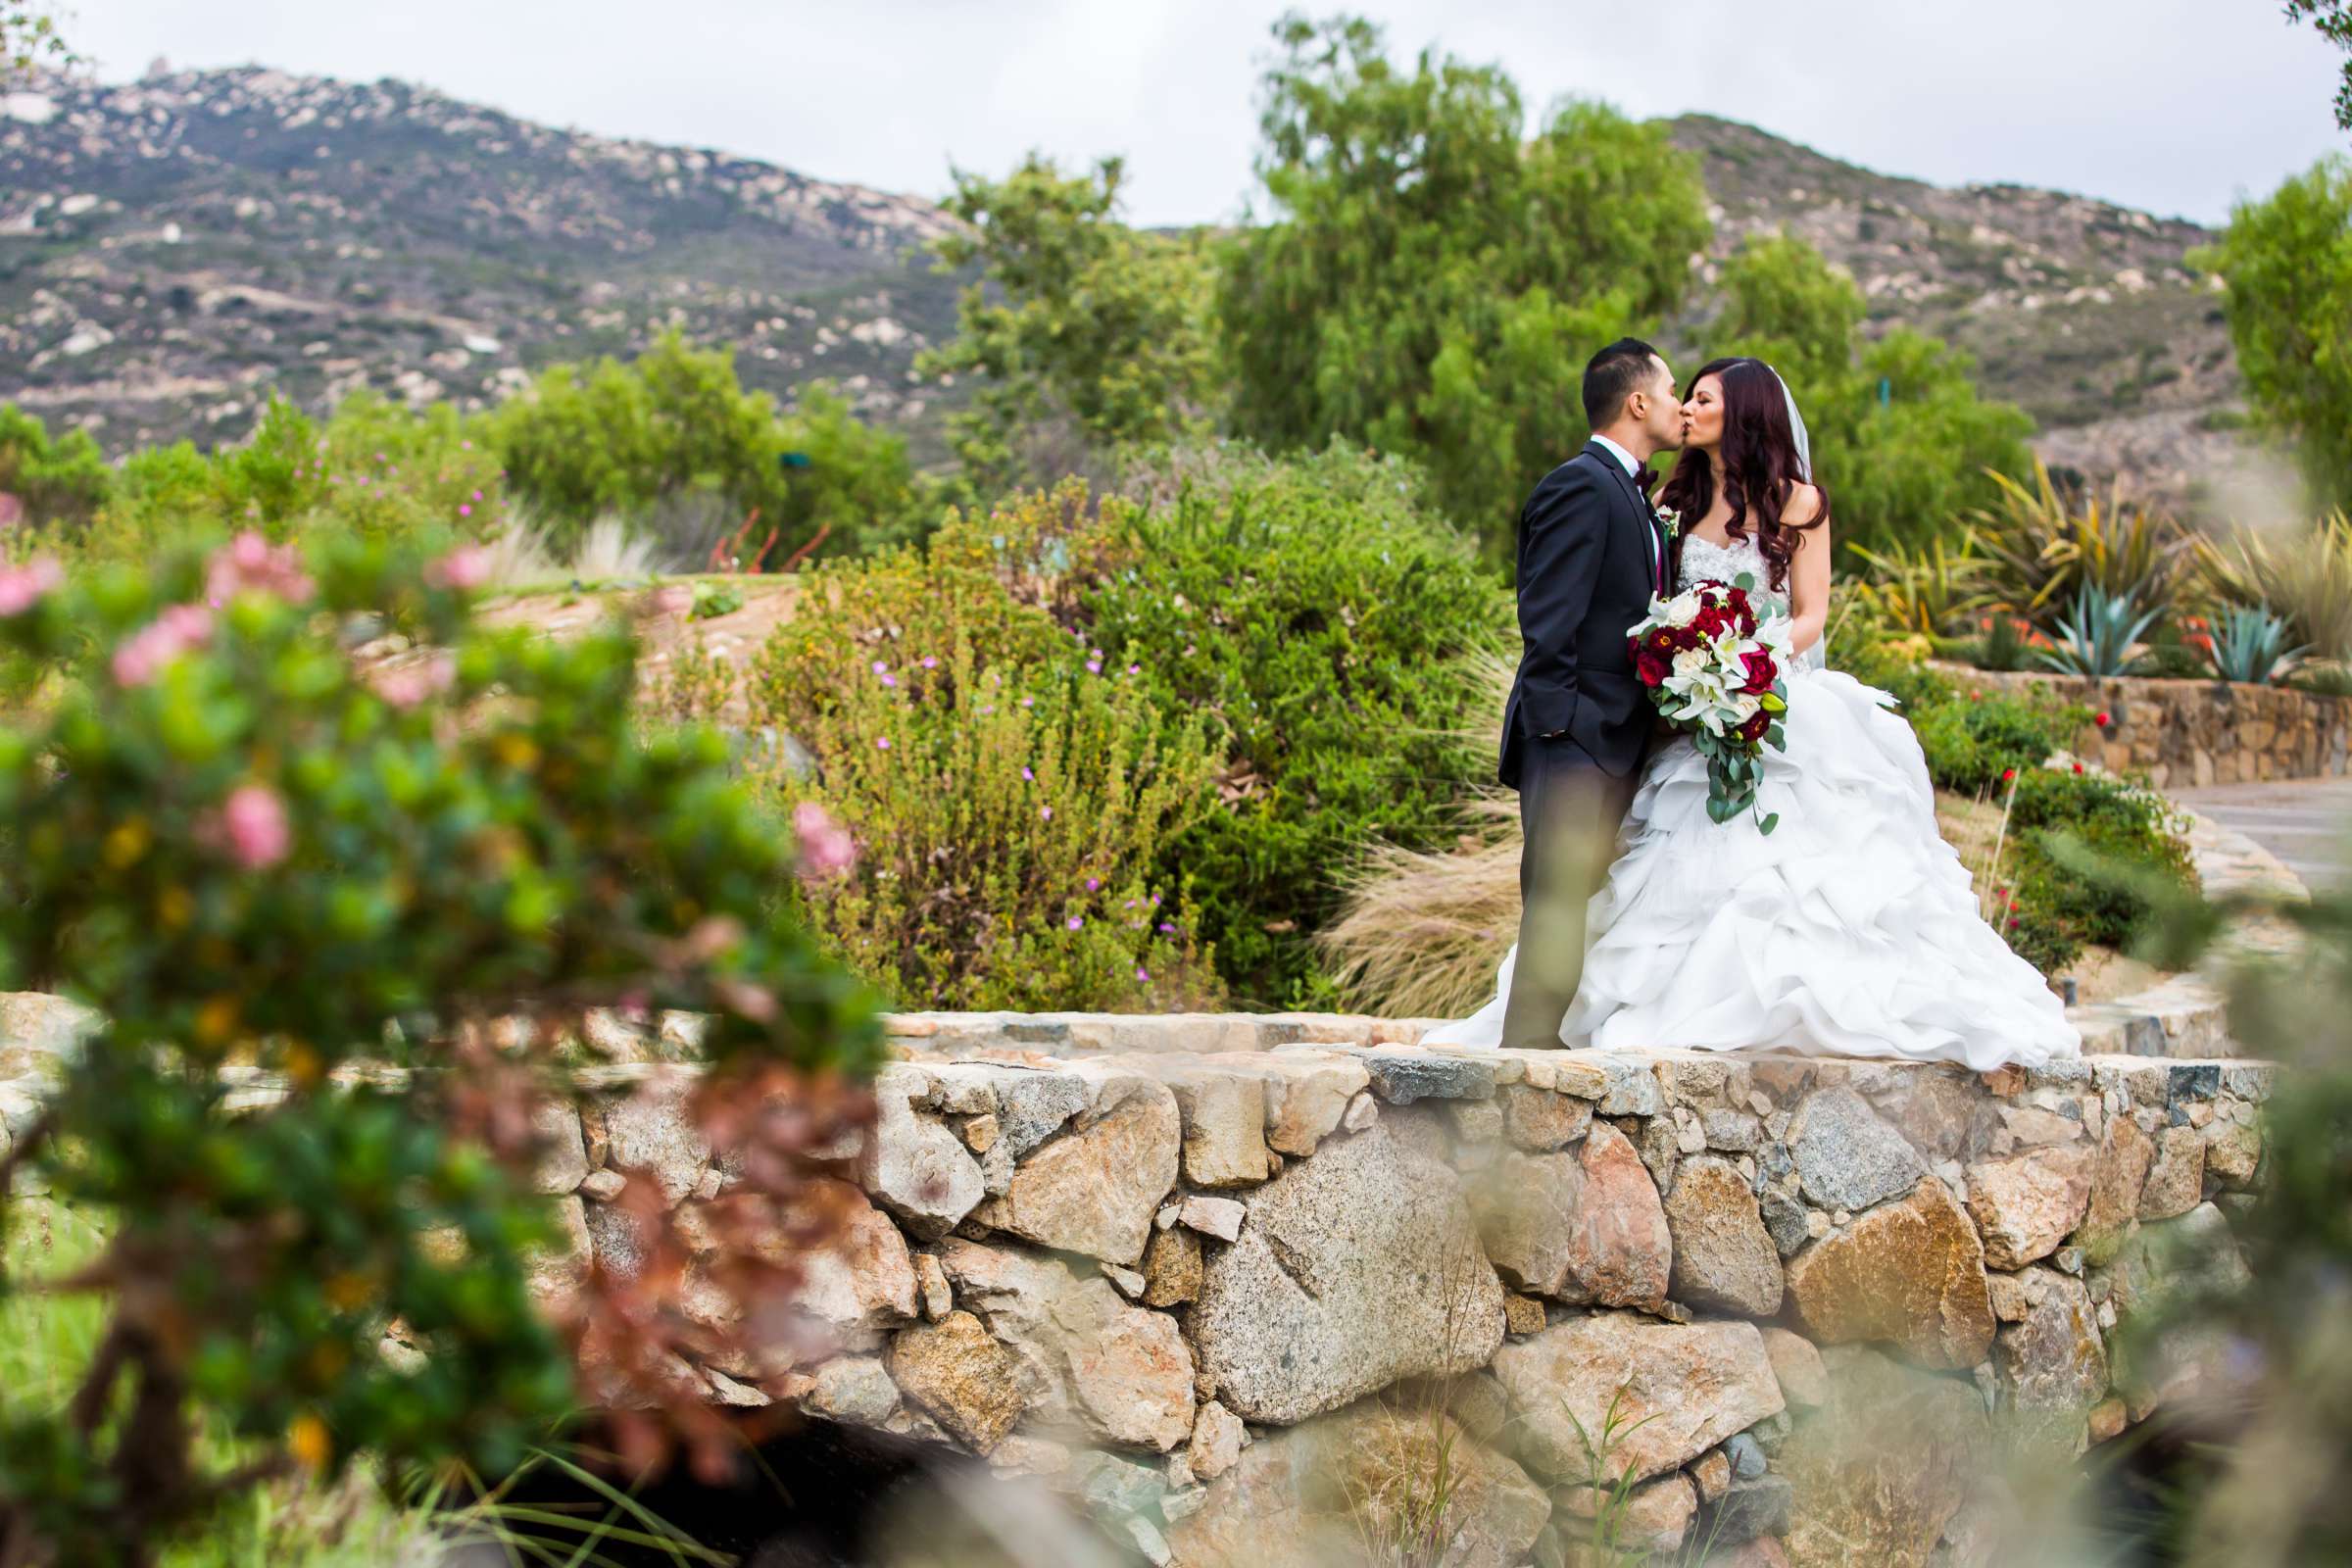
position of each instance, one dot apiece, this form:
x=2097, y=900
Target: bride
x=1852, y=928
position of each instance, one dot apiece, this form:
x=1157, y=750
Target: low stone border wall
x=2191, y=733
x=2183, y=1015
x=1236, y=1303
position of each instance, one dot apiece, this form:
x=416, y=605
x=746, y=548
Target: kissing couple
x=1852, y=930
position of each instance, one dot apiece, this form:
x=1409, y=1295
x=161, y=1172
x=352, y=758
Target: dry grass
x=522, y=558
x=1422, y=932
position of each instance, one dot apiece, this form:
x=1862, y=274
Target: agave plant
x=2101, y=635
x=2305, y=576
x=2042, y=549
x=1921, y=590
x=2250, y=646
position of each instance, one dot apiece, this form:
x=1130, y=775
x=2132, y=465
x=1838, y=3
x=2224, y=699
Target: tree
x=2288, y=261
x=2333, y=19
x=609, y=437
x=46, y=480
x=1088, y=334
x=1431, y=283
x=1900, y=435
x=30, y=38
x=390, y=897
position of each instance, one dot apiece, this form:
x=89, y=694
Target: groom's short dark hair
x=1612, y=375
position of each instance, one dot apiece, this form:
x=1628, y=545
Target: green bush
x=1971, y=737
x=1340, y=639
x=2028, y=917
x=2004, y=733
x=612, y=438
x=1011, y=791
x=2123, y=823
x=375, y=470
x=58, y=481
x=251, y=854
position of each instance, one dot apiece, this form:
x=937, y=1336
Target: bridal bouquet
x=1713, y=668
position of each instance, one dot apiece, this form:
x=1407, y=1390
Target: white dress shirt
x=1632, y=467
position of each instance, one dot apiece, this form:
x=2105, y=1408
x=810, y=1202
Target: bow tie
x=1646, y=479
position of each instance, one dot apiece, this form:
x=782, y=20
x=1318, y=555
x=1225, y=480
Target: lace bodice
x=1703, y=560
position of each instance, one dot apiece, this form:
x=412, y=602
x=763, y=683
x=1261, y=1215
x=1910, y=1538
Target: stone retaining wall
x=2187, y=734
x=1240, y=1302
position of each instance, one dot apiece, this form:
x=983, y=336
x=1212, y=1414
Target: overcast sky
x=2176, y=106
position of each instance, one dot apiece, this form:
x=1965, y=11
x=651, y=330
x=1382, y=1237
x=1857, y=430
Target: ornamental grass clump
x=255, y=858
x=1008, y=788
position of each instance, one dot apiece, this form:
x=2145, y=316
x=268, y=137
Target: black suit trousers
x=1570, y=809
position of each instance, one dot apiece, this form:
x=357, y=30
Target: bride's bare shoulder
x=1804, y=506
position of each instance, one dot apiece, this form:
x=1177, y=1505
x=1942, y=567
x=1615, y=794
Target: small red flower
x=1650, y=667
x=2009, y=776
x=2078, y=768
x=2100, y=720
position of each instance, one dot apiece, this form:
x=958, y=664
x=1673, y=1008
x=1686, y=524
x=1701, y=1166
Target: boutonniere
x=1670, y=520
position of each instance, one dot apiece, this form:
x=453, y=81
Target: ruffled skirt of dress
x=1851, y=929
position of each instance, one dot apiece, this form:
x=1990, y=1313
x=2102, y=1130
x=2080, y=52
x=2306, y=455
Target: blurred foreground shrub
x=254, y=859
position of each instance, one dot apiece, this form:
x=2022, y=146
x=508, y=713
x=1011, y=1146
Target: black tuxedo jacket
x=1586, y=568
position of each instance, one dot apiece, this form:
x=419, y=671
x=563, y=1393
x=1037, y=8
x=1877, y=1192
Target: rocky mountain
x=175, y=249
x=2085, y=313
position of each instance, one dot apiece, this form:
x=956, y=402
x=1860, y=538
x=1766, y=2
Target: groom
x=1591, y=553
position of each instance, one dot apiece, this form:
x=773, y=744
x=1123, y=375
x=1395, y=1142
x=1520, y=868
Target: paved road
x=2305, y=823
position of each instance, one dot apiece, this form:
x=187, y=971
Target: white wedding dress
x=1851, y=929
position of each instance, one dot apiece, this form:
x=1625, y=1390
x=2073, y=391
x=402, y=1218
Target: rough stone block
x=964, y=1379
x=1910, y=1274
x=1094, y=1189
x=1306, y=1096
x=1723, y=1256
x=1543, y=1120
x=1357, y=1268
x=1678, y=1390
x=1847, y=1157
x=1224, y=1118
x=2027, y=1204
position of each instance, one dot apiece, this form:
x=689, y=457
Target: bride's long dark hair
x=1760, y=468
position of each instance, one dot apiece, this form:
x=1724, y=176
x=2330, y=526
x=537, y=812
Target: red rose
x=2078, y=768
x=2009, y=776
x=2100, y=720
x=1761, y=672
x=1650, y=667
